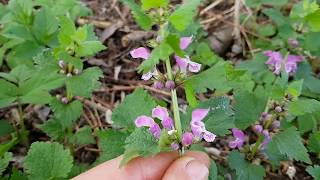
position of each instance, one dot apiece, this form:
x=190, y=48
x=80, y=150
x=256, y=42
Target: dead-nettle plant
x=265, y=94
x=45, y=52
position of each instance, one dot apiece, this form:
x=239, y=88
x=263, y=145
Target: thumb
x=187, y=168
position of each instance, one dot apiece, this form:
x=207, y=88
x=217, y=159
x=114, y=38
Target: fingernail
x=197, y=170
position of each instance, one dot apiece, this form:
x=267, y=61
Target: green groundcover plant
x=265, y=110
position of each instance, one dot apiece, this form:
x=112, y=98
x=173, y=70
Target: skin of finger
x=179, y=169
x=139, y=168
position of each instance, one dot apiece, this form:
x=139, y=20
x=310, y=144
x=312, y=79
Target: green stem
x=256, y=147
x=23, y=132
x=175, y=106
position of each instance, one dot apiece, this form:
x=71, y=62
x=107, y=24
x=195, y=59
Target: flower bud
x=293, y=43
x=170, y=85
x=69, y=75
x=265, y=133
x=275, y=124
x=61, y=64
x=174, y=146
x=258, y=128
x=64, y=100
x=278, y=109
x=62, y=71
x=76, y=71
x=158, y=85
x=264, y=116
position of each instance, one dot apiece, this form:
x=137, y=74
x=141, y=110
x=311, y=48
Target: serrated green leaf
x=205, y=55
x=161, y=52
x=89, y=48
x=275, y=2
x=142, y=19
x=47, y=161
x=111, y=143
x=276, y=16
x=83, y=136
x=289, y=143
x=314, y=142
x=183, y=15
x=4, y=161
x=303, y=106
x=136, y=104
x=248, y=108
x=307, y=123
x=314, y=171
x=66, y=114
x=274, y=155
x=266, y=30
x=147, y=4
x=84, y=84
x=54, y=129
x=244, y=169
x=140, y=143
x=220, y=118
x=213, y=171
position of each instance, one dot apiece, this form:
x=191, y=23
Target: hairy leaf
x=147, y=4
x=314, y=171
x=47, y=161
x=4, y=161
x=244, y=169
x=137, y=104
x=140, y=143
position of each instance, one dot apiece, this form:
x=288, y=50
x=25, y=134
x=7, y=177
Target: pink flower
x=185, y=42
x=145, y=121
x=291, y=64
x=143, y=53
x=186, y=64
x=140, y=52
x=187, y=138
x=276, y=61
x=198, y=127
x=162, y=114
x=258, y=128
x=239, y=139
x=267, y=139
x=174, y=146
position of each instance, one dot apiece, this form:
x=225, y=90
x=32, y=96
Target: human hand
x=167, y=166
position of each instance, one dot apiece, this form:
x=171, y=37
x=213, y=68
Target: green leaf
x=8, y=93
x=248, y=108
x=205, y=55
x=5, y=127
x=5, y=147
x=84, y=84
x=47, y=161
x=314, y=142
x=4, y=161
x=161, y=52
x=274, y=155
x=140, y=143
x=266, y=30
x=89, y=48
x=276, y=16
x=147, y=4
x=183, y=15
x=45, y=24
x=213, y=171
x=275, y=2
x=289, y=143
x=142, y=19
x=307, y=123
x=54, y=129
x=83, y=136
x=111, y=144
x=314, y=171
x=220, y=118
x=244, y=169
x=313, y=20
x=295, y=88
x=136, y=104
x=66, y=114
x=303, y=106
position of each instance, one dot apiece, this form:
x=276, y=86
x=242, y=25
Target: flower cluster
x=184, y=64
x=198, y=130
x=67, y=69
x=277, y=63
